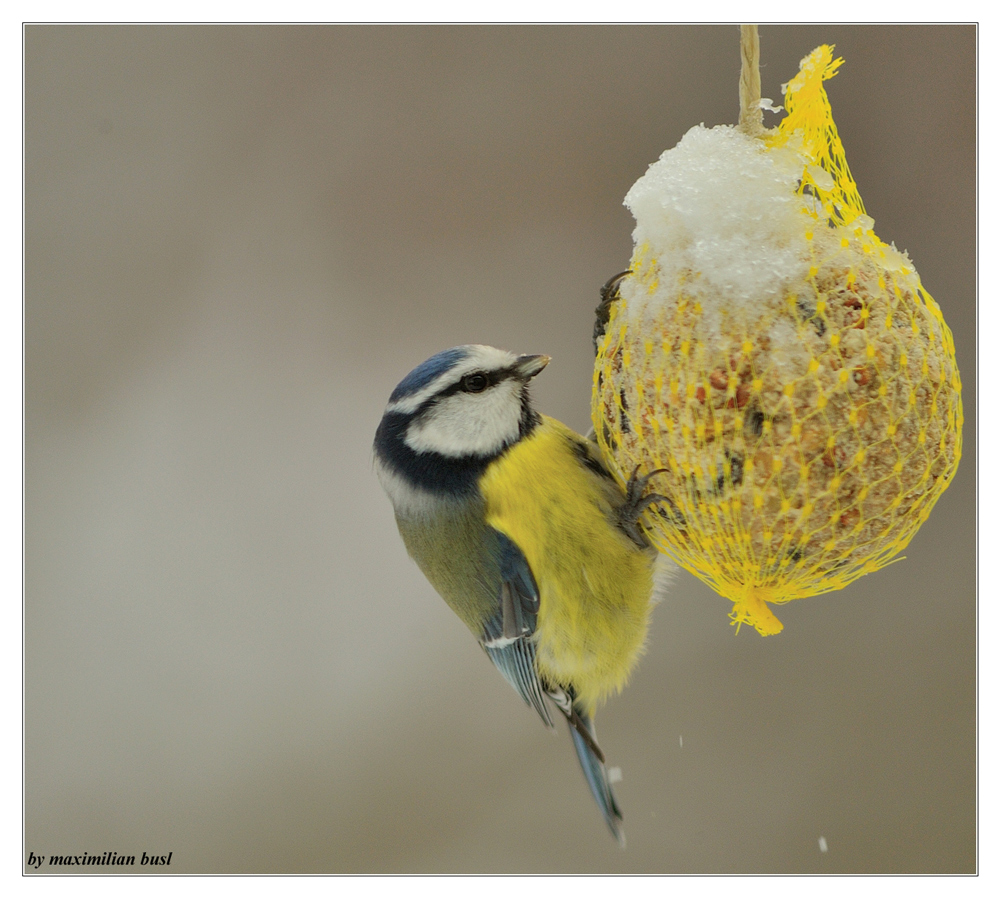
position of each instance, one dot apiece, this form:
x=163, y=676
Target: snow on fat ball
x=783, y=365
x=719, y=204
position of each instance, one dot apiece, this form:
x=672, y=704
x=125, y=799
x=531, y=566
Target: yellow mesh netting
x=803, y=444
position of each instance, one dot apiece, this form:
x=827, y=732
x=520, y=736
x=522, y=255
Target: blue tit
x=524, y=532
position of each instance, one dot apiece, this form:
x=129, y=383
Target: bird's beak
x=527, y=366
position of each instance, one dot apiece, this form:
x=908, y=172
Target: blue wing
x=507, y=633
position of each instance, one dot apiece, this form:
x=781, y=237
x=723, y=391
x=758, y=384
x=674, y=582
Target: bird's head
x=451, y=416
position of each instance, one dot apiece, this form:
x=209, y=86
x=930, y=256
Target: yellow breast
x=594, y=583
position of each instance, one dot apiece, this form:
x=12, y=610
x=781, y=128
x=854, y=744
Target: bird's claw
x=636, y=503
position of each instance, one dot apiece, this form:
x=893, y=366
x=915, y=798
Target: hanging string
x=751, y=115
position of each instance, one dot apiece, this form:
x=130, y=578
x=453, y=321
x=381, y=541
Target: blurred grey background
x=238, y=240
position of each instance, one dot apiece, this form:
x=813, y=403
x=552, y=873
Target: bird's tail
x=591, y=757
x=592, y=762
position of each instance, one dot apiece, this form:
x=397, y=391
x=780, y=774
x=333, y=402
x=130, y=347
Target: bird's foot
x=636, y=502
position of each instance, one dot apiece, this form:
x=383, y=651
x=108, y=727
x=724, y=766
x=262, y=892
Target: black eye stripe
x=475, y=382
x=493, y=378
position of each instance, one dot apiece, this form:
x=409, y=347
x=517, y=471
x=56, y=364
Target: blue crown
x=427, y=372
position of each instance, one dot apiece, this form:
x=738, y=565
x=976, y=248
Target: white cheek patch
x=470, y=423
